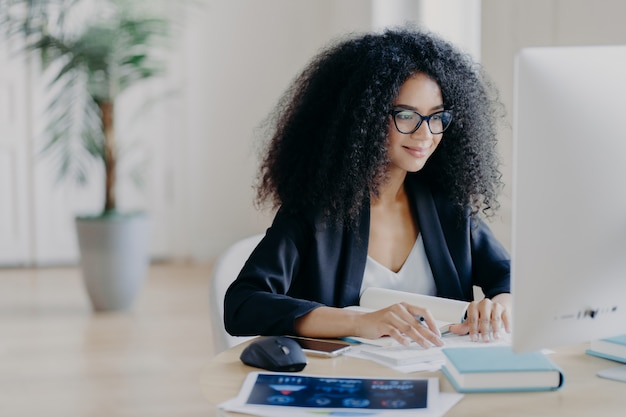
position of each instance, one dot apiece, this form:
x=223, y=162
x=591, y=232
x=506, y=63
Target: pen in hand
x=443, y=330
x=422, y=320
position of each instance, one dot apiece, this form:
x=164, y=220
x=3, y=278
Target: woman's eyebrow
x=408, y=107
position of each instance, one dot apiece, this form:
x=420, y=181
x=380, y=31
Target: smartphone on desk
x=323, y=348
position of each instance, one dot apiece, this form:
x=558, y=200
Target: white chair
x=227, y=267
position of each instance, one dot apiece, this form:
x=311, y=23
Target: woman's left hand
x=486, y=318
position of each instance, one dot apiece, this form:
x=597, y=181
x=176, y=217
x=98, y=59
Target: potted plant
x=94, y=52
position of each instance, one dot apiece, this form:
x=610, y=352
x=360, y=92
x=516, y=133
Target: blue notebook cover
x=499, y=369
x=613, y=348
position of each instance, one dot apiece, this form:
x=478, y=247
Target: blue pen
x=444, y=330
x=422, y=320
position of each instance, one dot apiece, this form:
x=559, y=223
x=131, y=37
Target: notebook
x=499, y=369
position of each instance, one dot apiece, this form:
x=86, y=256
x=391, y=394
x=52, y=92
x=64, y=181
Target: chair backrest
x=227, y=267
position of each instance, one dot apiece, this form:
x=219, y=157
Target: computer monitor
x=569, y=196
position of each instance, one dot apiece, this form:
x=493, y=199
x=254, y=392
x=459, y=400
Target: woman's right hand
x=402, y=322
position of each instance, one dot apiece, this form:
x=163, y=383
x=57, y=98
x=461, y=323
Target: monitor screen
x=569, y=196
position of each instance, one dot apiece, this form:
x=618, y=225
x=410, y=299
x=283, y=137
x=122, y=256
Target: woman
x=381, y=160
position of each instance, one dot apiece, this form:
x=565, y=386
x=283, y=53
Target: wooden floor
x=59, y=359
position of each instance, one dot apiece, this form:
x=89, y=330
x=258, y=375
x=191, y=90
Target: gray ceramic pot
x=114, y=252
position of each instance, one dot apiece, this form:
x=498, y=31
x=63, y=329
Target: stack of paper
x=414, y=358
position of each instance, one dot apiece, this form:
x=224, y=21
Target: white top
x=415, y=275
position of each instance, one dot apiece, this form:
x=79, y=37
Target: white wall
x=459, y=21
x=15, y=175
x=508, y=25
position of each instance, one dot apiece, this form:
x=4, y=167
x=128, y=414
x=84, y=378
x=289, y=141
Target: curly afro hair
x=328, y=133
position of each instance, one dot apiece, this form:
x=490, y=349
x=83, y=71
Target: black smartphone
x=318, y=347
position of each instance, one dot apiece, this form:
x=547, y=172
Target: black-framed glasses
x=408, y=121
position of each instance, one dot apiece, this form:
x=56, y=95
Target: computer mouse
x=275, y=353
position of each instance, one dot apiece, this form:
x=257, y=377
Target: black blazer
x=301, y=264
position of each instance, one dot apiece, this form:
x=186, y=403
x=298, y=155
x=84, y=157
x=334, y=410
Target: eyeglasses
x=408, y=121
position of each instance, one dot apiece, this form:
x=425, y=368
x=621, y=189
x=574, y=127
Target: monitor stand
x=618, y=373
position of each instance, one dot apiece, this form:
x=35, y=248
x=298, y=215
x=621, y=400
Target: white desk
x=582, y=395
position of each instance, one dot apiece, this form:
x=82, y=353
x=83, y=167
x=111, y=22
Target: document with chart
x=295, y=394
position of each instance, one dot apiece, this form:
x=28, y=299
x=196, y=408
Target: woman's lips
x=417, y=152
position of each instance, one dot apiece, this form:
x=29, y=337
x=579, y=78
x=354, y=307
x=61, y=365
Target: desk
x=582, y=395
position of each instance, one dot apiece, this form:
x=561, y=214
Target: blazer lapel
x=437, y=252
